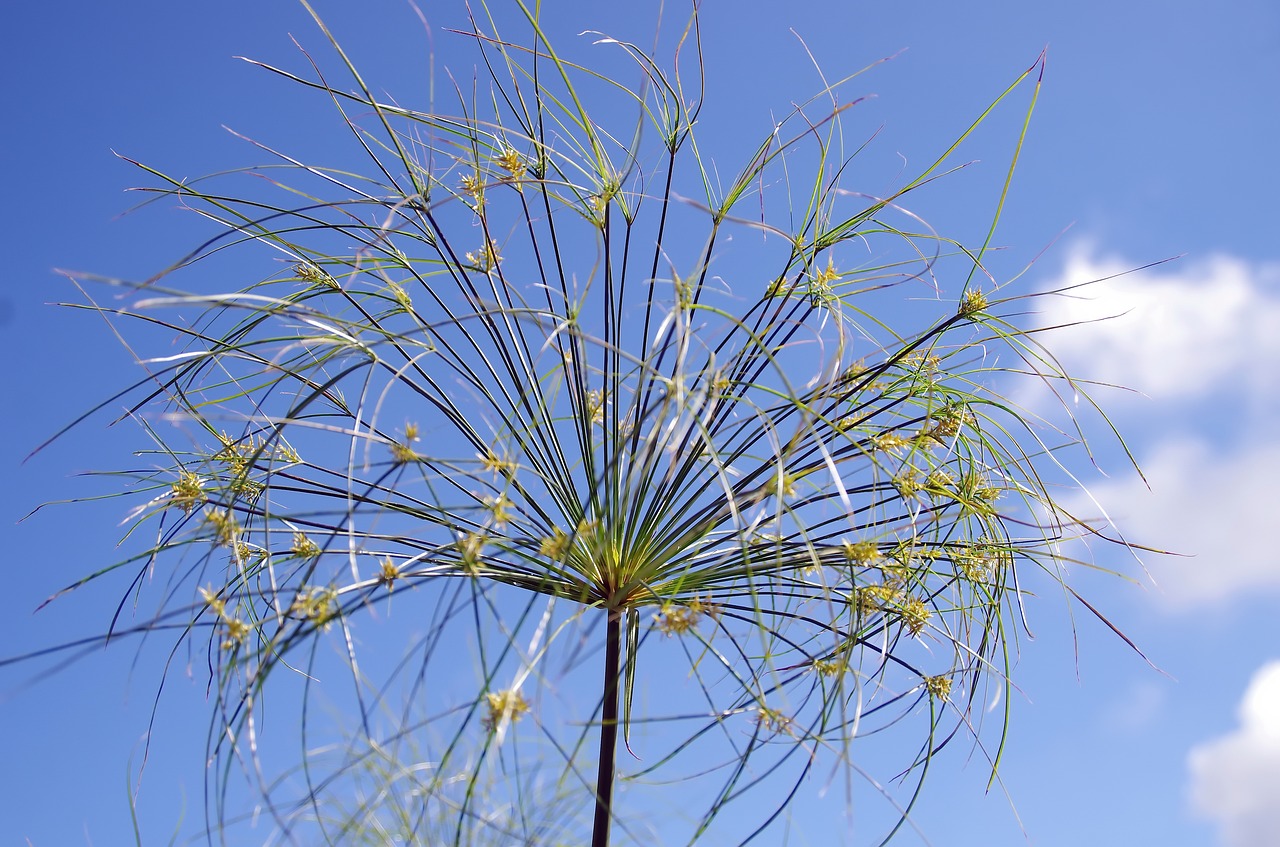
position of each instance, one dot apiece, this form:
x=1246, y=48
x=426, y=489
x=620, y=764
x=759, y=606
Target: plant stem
x=608, y=732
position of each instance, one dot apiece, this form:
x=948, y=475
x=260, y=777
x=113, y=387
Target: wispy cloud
x=1201, y=341
x=1136, y=707
x=1235, y=779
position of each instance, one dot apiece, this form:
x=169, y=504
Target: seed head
x=316, y=276
x=973, y=302
x=187, y=492
x=915, y=614
x=939, y=687
x=388, y=573
x=303, y=547
x=861, y=553
x=509, y=160
x=504, y=704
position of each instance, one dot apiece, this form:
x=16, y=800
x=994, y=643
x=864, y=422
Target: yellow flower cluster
x=504, y=704
x=237, y=630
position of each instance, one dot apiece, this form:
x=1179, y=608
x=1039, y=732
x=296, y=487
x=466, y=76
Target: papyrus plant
x=550, y=430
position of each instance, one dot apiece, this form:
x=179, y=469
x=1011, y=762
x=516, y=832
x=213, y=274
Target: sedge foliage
x=546, y=432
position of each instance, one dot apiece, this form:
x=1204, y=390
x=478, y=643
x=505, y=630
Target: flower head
x=507, y=705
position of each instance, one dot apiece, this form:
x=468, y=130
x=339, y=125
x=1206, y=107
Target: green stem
x=608, y=732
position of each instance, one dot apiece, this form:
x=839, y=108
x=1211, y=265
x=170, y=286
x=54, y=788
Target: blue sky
x=1153, y=138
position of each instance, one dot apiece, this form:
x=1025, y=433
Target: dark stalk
x=608, y=731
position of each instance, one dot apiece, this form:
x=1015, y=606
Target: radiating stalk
x=608, y=732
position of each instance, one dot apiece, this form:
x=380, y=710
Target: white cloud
x=1208, y=504
x=1202, y=340
x=1235, y=779
x=1180, y=330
